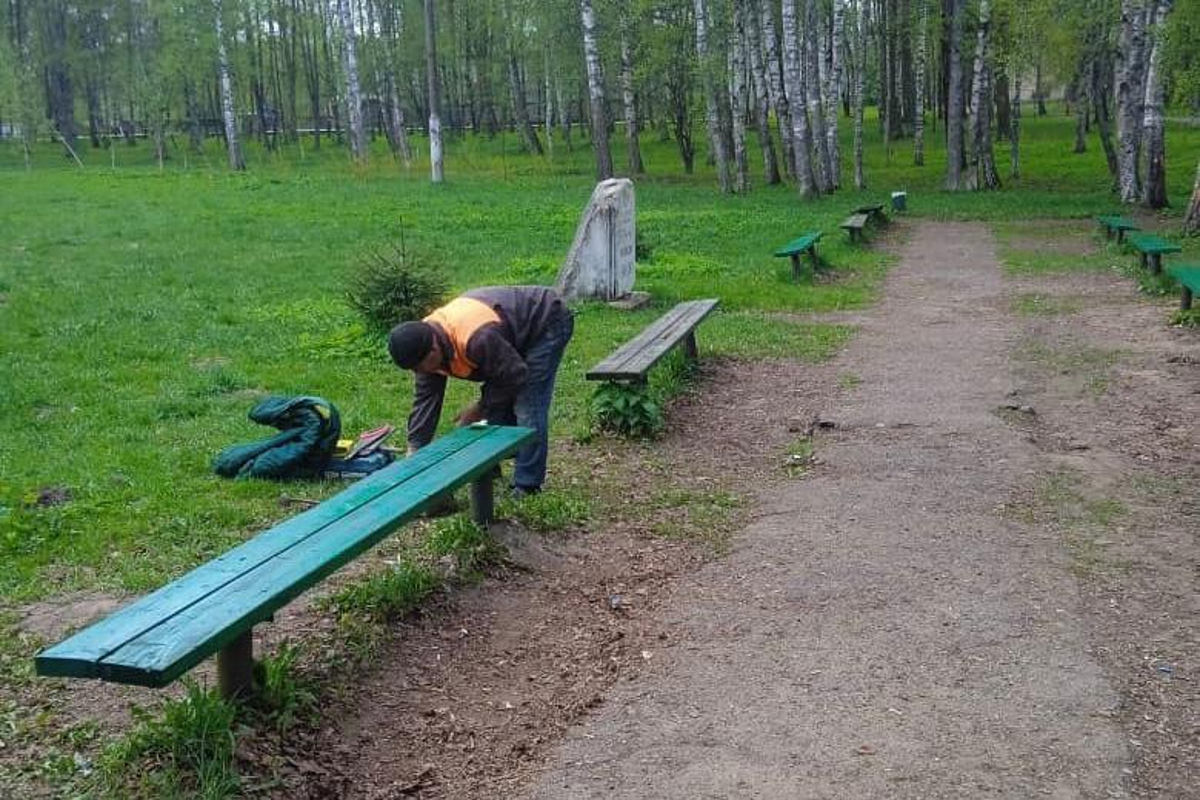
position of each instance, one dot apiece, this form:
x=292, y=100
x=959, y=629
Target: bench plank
x=797, y=246
x=1188, y=276
x=632, y=360
x=158, y=638
x=1114, y=223
x=854, y=225
x=1150, y=244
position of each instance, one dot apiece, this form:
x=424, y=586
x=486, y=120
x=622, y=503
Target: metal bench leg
x=1120, y=235
x=1185, y=302
x=235, y=666
x=689, y=347
x=812, y=252
x=1145, y=261
x=1156, y=263
x=483, y=497
x=795, y=266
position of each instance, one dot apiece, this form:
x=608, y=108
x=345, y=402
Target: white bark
x=919, y=68
x=595, y=73
x=794, y=85
x=761, y=82
x=227, y=113
x=738, y=97
x=860, y=69
x=775, y=83
x=983, y=162
x=437, y=174
x=629, y=99
x=712, y=111
x=1014, y=135
x=834, y=84
x=354, y=115
x=812, y=88
x=1130, y=96
x=1154, y=192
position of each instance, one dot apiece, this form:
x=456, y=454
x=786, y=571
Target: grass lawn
x=142, y=312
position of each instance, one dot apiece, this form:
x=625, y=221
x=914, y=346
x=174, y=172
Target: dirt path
x=886, y=627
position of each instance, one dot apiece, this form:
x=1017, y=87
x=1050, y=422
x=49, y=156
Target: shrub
x=627, y=410
x=395, y=285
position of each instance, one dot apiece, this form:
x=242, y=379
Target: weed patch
x=548, y=511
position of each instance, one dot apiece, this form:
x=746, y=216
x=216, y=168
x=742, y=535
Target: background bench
x=633, y=360
x=1152, y=249
x=854, y=225
x=1188, y=276
x=1116, y=224
x=874, y=212
x=214, y=608
x=794, y=248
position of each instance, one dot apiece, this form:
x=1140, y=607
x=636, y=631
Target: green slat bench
x=213, y=608
x=854, y=225
x=631, y=362
x=793, y=249
x=1188, y=276
x=874, y=212
x=1115, y=224
x=1152, y=249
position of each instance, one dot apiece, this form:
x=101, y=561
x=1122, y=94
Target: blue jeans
x=532, y=406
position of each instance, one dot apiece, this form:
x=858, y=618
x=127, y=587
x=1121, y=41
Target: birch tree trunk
x=919, y=106
x=354, y=116
x=435, y=93
x=812, y=87
x=633, y=147
x=591, y=53
x=775, y=82
x=712, y=109
x=760, y=80
x=548, y=108
x=236, y=161
x=516, y=88
x=834, y=85
x=1191, y=223
x=863, y=20
x=1130, y=96
x=983, y=162
x=738, y=97
x=954, y=100
x=794, y=84
x=1014, y=135
x=1154, y=192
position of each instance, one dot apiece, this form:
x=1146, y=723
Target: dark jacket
x=496, y=349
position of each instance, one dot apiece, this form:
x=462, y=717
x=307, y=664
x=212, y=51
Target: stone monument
x=600, y=265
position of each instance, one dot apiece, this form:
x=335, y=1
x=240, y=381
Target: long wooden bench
x=795, y=248
x=214, y=608
x=1188, y=276
x=631, y=362
x=1115, y=224
x=854, y=225
x=1152, y=249
x=874, y=212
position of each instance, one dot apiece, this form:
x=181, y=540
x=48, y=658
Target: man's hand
x=469, y=415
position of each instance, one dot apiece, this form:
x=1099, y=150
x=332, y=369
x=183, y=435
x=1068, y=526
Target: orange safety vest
x=459, y=319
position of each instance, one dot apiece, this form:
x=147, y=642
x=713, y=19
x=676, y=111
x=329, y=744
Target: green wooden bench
x=1115, y=224
x=874, y=212
x=854, y=225
x=631, y=362
x=214, y=608
x=1188, y=276
x=1152, y=249
x=794, y=249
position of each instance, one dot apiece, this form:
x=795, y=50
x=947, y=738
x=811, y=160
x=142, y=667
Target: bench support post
x=795, y=266
x=1185, y=301
x=483, y=496
x=235, y=666
x=1155, y=263
x=689, y=347
x=812, y=252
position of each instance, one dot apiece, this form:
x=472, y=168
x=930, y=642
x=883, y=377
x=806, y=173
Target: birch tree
x=236, y=161
x=1130, y=97
x=435, y=93
x=1154, y=191
x=760, y=79
x=824, y=166
x=983, y=162
x=834, y=84
x=354, y=115
x=954, y=103
x=712, y=109
x=794, y=84
x=738, y=97
x=633, y=147
x=919, y=105
x=862, y=20
x=595, y=76
x=774, y=77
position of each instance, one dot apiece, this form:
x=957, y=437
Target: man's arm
x=503, y=372
x=428, y=392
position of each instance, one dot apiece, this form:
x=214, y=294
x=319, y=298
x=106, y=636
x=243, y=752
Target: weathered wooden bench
x=631, y=362
x=1188, y=276
x=1152, y=249
x=874, y=212
x=1114, y=224
x=854, y=225
x=214, y=608
x=796, y=247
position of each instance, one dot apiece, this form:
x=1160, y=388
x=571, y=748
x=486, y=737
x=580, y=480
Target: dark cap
x=409, y=343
